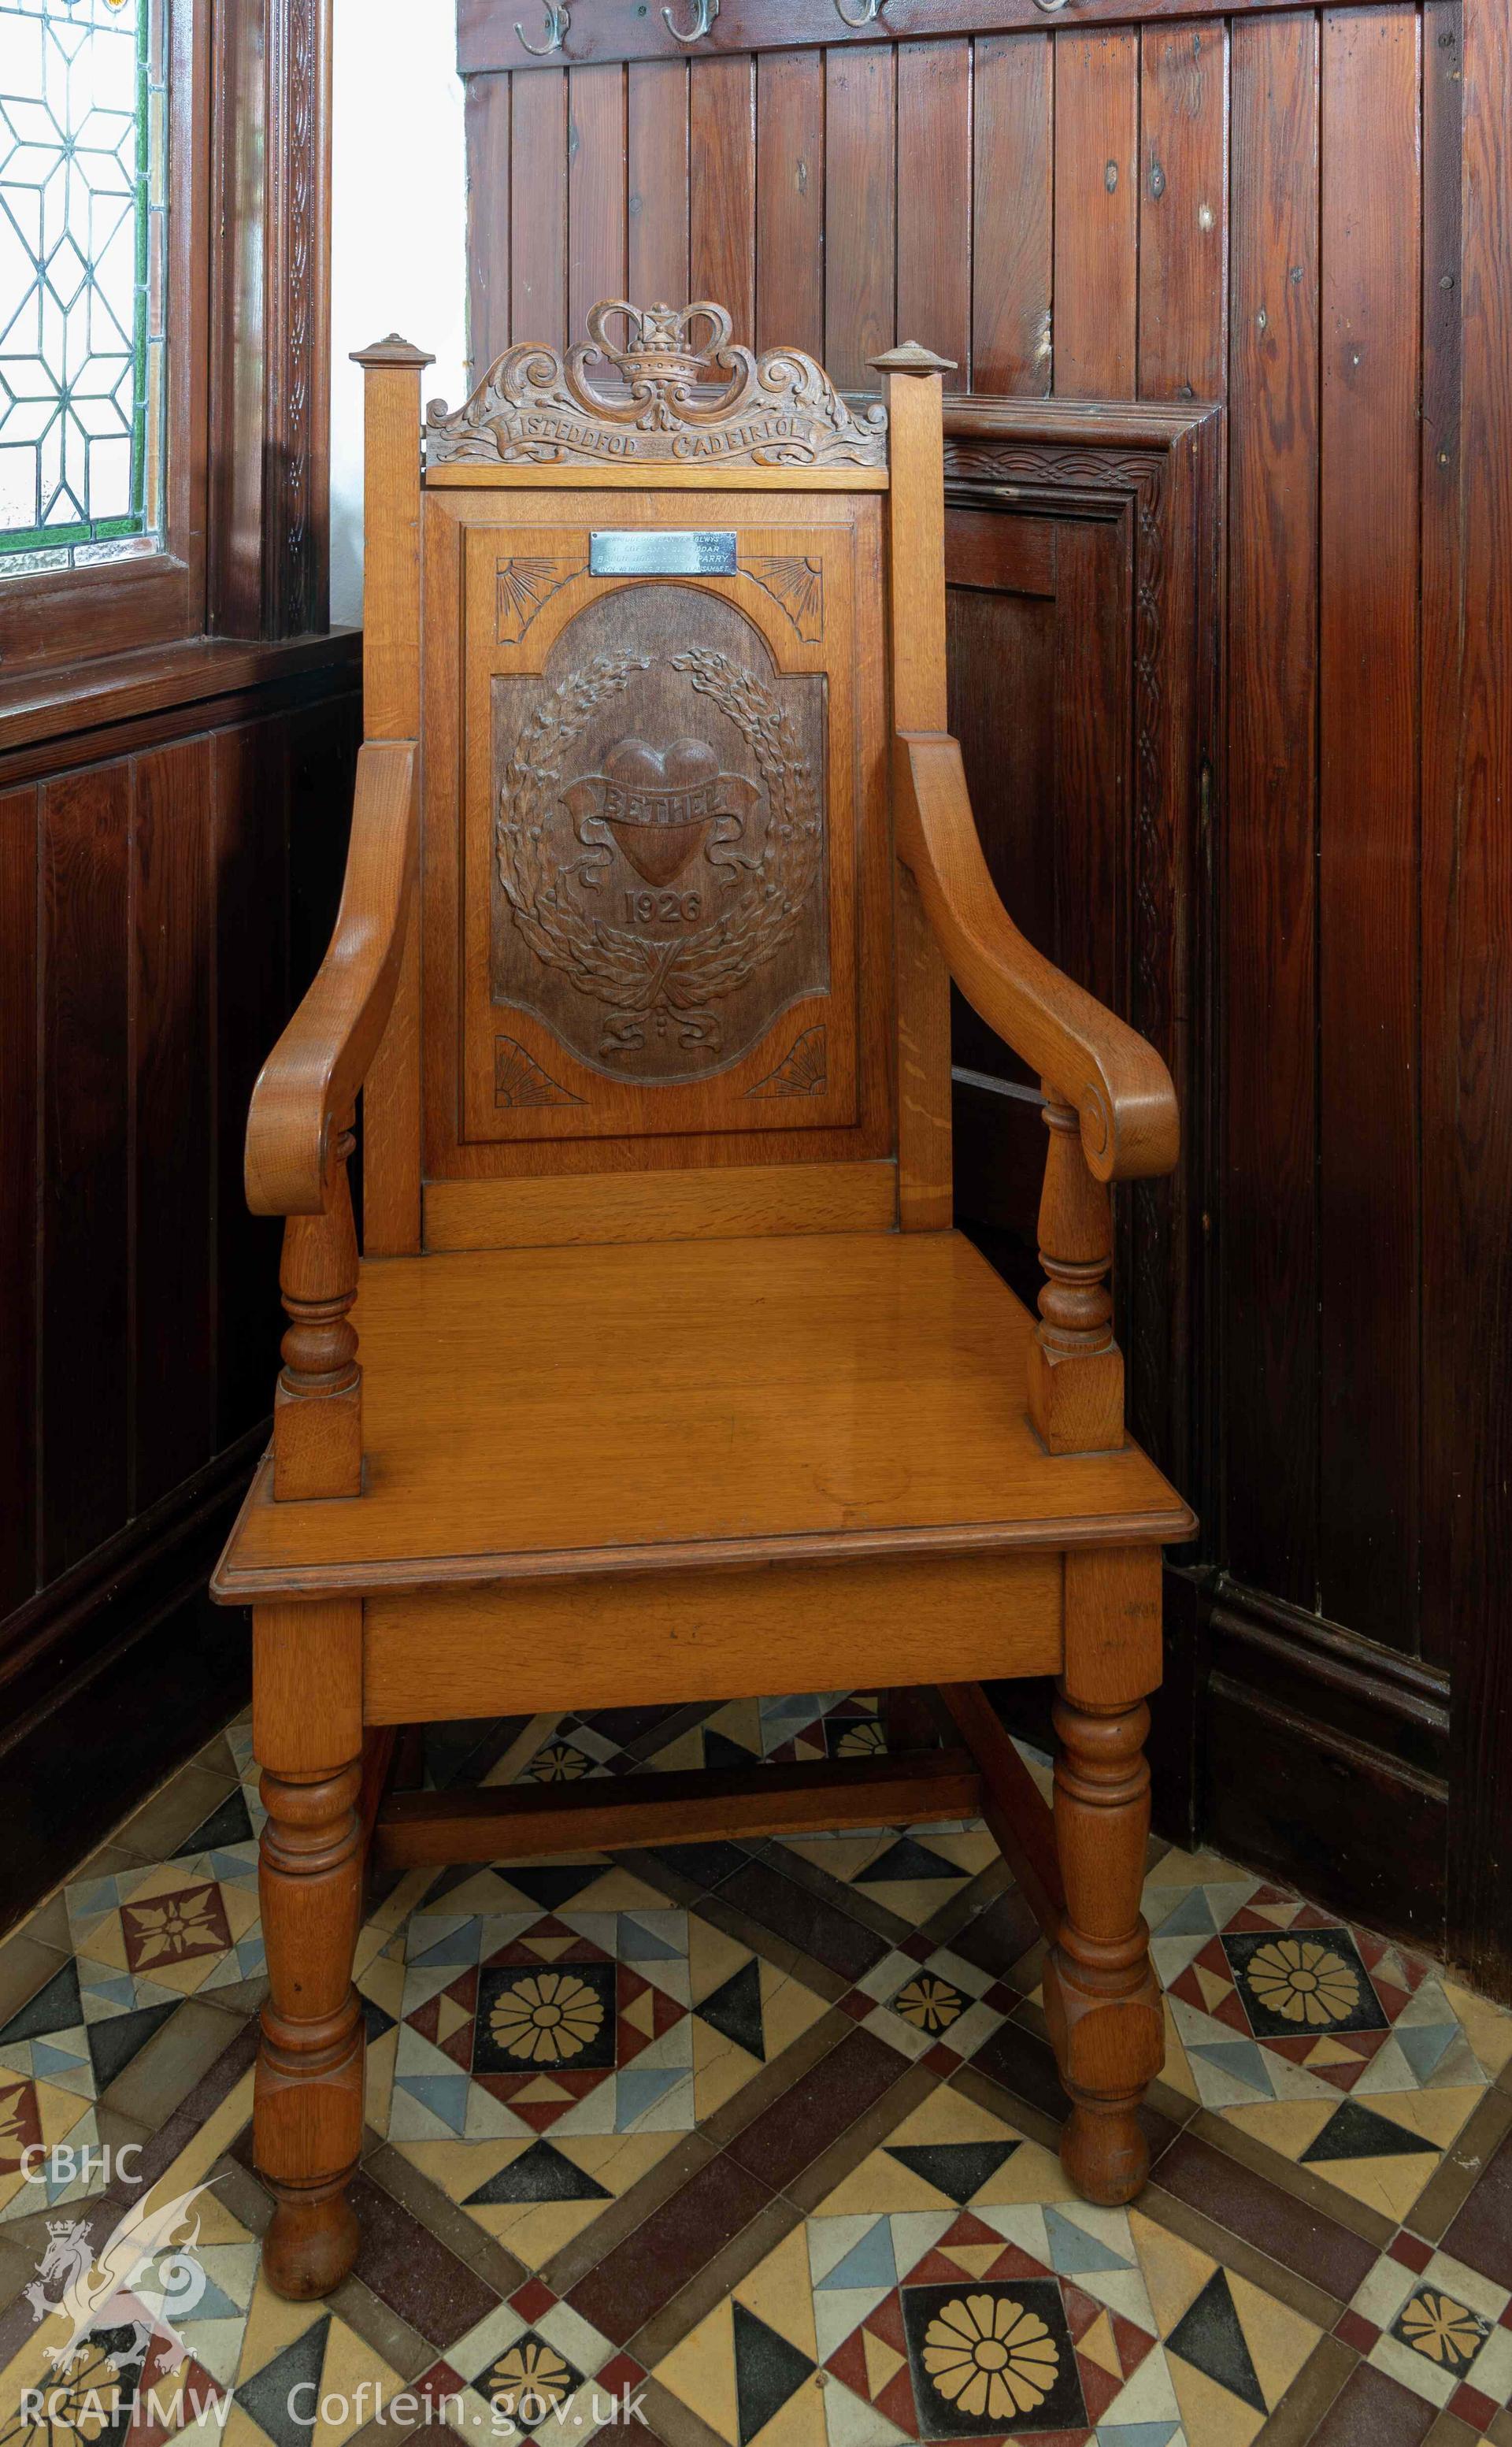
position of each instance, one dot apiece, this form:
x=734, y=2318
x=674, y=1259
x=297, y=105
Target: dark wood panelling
x=1262, y=206
x=173, y=1117
x=1443, y=648
x=538, y=216
x=146, y=912
x=249, y=853
x=1479, y=1173
x=18, y=1194
x=791, y=201
x=488, y=202
x=859, y=156
x=1097, y=119
x=86, y=1065
x=657, y=160
x=1270, y=963
x=935, y=202
x=489, y=31
x=597, y=265
x=721, y=173
x=1183, y=211
x=1013, y=219
x=1368, y=1092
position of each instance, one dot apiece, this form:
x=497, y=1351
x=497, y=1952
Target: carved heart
x=655, y=832
x=687, y=765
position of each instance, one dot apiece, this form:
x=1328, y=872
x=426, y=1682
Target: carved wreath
x=663, y=983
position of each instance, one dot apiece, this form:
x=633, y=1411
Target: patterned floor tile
x=951, y=2287
x=692, y=2048
x=569, y=2022
x=1341, y=2052
x=1437, y=2326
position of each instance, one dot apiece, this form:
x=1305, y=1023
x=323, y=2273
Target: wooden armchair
x=675, y=1381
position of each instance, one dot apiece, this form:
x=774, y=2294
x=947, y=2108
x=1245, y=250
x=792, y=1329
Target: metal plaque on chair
x=650, y=552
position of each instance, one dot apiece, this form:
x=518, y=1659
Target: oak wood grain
x=512, y=1821
x=865, y=1384
x=313, y=1075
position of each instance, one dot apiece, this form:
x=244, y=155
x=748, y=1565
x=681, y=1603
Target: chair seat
x=576, y=1411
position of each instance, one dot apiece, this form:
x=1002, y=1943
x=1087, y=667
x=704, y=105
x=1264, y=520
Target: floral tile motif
x=1436, y=2326
x=954, y=2287
x=1344, y=2052
x=931, y=1998
x=532, y=2365
x=569, y=2022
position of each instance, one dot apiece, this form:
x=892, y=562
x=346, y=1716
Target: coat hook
x=558, y=25
x=870, y=11
x=705, y=12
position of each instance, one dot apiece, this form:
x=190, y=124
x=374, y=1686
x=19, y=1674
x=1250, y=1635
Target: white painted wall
x=398, y=235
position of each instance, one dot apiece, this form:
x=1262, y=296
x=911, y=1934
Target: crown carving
x=685, y=393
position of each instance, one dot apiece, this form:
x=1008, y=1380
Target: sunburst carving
x=518, y=1078
x=797, y=584
x=802, y=1071
x=524, y=584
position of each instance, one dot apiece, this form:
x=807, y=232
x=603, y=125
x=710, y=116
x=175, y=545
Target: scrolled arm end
x=1116, y=1083
x=308, y=1086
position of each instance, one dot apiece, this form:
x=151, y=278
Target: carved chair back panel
x=658, y=865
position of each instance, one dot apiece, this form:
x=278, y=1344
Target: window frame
x=66, y=615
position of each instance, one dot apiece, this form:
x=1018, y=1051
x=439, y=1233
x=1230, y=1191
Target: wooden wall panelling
x=1097, y=106
x=145, y=913
x=173, y=1119
x=1183, y=211
x=18, y=1194
x=489, y=195
x=1480, y=1182
x=1270, y=964
x=250, y=856
x=722, y=182
x=860, y=200
x=1368, y=671
x=657, y=164
x=537, y=211
x=86, y=1387
x=1442, y=671
x=934, y=199
x=634, y=30
x=790, y=201
x=1012, y=132
x=596, y=261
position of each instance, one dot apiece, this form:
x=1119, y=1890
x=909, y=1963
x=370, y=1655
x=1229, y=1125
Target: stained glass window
x=83, y=146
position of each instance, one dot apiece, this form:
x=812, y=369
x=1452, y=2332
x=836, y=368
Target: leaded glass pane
x=83, y=146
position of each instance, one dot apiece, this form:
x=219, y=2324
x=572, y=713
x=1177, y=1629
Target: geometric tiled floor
x=763, y=2135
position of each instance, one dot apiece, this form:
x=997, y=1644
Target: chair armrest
x=1118, y=1084
x=310, y=1081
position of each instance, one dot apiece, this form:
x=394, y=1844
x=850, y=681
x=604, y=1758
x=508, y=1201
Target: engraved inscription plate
x=650, y=552
x=659, y=889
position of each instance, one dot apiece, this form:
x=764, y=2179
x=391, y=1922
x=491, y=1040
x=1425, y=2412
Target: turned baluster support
x=1076, y=1367
x=318, y=1409
x=1101, y=1997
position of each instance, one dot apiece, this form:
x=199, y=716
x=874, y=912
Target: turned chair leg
x=308, y=2111
x=1101, y=1995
